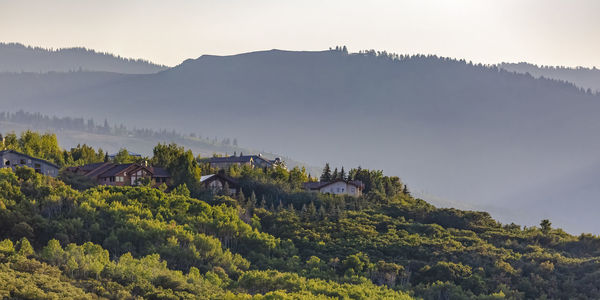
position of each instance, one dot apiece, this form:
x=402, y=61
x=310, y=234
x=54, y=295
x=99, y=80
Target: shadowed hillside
x=468, y=133
x=20, y=58
x=585, y=78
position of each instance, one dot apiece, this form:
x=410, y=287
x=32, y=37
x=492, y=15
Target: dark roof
x=89, y=167
x=212, y=177
x=159, y=172
x=313, y=185
x=99, y=170
x=228, y=159
x=236, y=159
x=320, y=184
x=116, y=169
x=109, y=169
x=30, y=157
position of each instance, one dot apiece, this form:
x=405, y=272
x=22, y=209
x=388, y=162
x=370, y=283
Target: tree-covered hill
x=16, y=58
x=272, y=240
x=587, y=78
x=446, y=123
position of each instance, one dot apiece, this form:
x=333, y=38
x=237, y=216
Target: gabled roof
x=159, y=172
x=109, y=169
x=322, y=184
x=236, y=159
x=116, y=169
x=29, y=157
x=229, y=159
x=99, y=170
x=89, y=167
x=211, y=177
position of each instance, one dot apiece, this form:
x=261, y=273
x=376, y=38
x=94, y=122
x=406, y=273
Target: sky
x=547, y=32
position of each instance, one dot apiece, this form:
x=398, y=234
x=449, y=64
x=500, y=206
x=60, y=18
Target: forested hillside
x=20, y=58
x=587, y=78
x=271, y=241
x=72, y=132
x=517, y=142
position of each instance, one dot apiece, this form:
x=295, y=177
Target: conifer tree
x=405, y=191
x=335, y=175
x=241, y=198
x=312, y=210
x=326, y=176
x=343, y=174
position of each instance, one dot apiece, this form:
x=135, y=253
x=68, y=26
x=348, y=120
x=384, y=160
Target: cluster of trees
x=138, y=241
x=374, y=180
x=39, y=120
x=273, y=240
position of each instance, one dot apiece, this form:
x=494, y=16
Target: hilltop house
x=122, y=174
x=250, y=160
x=13, y=159
x=217, y=182
x=339, y=187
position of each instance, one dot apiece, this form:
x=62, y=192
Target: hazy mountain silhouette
x=19, y=58
x=585, y=78
x=469, y=133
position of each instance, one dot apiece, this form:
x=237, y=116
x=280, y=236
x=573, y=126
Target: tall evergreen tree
x=326, y=176
x=335, y=175
x=343, y=174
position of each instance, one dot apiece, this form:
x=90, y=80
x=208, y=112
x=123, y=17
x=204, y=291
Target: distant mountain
x=466, y=133
x=585, y=78
x=19, y=58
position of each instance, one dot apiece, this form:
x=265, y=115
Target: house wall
x=341, y=188
x=16, y=160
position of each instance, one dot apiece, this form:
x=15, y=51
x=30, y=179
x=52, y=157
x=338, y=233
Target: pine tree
x=241, y=198
x=343, y=174
x=335, y=175
x=263, y=202
x=405, y=191
x=322, y=212
x=312, y=210
x=326, y=176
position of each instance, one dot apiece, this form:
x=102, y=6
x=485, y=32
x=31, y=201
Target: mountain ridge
x=447, y=123
x=16, y=57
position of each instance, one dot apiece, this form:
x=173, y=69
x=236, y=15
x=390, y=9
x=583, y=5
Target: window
x=22, y=161
x=112, y=178
x=7, y=163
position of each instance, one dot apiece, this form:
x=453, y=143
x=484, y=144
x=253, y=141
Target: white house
x=339, y=187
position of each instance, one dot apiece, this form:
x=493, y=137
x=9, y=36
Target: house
x=108, y=173
x=338, y=187
x=217, y=182
x=13, y=159
x=258, y=161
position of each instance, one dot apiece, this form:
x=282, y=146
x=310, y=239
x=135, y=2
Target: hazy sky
x=553, y=32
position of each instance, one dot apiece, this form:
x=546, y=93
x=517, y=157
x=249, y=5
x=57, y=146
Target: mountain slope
x=585, y=78
x=469, y=133
x=20, y=58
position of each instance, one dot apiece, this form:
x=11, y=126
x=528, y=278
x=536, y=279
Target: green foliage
x=271, y=241
x=123, y=157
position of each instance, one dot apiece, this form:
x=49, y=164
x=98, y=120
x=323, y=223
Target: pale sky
x=549, y=32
